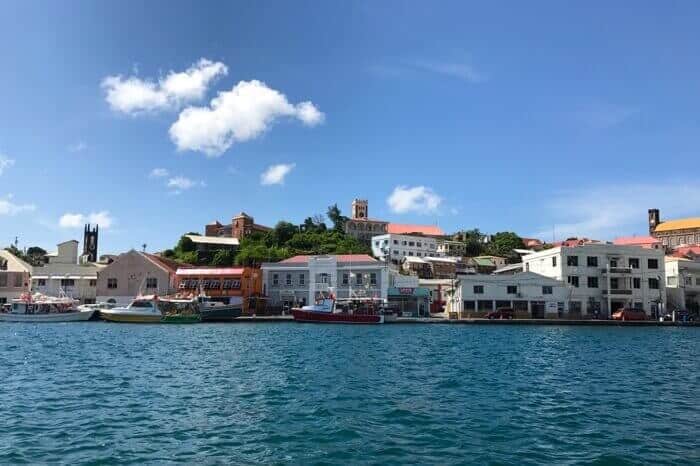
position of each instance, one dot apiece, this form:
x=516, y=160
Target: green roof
x=484, y=261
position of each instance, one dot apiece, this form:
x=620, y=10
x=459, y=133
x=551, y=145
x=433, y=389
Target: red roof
x=404, y=229
x=644, y=241
x=684, y=251
x=339, y=257
x=169, y=264
x=201, y=271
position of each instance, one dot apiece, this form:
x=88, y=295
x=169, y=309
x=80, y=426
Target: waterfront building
x=676, y=232
x=63, y=272
x=409, y=301
x=527, y=293
x=300, y=280
x=441, y=292
x=241, y=225
x=134, y=273
x=14, y=276
x=242, y=285
x=683, y=283
x=605, y=277
x=393, y=247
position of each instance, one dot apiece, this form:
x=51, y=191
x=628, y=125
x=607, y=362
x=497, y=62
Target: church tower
x=654, y=220
x=359, y=209
x=90, y=243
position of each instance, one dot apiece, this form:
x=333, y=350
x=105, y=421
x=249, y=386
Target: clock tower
x=90, y=243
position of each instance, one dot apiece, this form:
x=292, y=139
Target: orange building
x=240, y=284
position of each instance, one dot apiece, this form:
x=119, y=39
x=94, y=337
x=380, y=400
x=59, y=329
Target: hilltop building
x=363, y=228
x=241, y=225
x=394, y=247
x=674, y=233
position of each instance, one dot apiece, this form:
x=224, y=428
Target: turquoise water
x=98, y=393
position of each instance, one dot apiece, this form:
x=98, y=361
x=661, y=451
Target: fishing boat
x=41, y=308
x=152, y=309
x=219, y=309
x=325, y=311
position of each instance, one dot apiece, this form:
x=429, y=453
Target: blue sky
x=541, y=118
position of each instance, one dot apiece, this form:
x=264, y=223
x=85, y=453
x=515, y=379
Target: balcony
x=617, y=292
x=618, y=270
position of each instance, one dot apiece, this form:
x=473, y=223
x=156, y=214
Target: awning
x=40, y=277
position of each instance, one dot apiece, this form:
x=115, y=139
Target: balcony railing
x=617, y=292
x=618, y=270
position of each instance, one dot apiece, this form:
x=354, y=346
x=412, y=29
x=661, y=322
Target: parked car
x=630, y=314
x=501, y=313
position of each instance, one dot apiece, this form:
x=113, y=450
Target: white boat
x=42, y=308
x=149, y=309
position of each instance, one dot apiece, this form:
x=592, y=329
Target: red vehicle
x=630, y=314
x=324, y=311
x=501, y=313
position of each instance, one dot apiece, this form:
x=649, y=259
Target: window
x=410, y=253
x=396, y=241
x=512, y=289
x=395, y=252
x=572, y=261
x=613, y=263
x=614, y=283
x=420, y=245
x=112, y=283
x=92, y=283
x=573, y=280
x=636, y=283
x=323, y=278
x=346, y=278
x=288, y=279
x=231, y=284
x=418, y=254
x=592, y=282
x=18, y=280
x=373, y=278
x=403, y=243
x=653, y=283
x=67, y=282
x=633, y=262
x=3, y=280
x=575, y=307
x=592, y=261
x=554, y=261
x=653, y=263
x=42, y=282
x=358, y=279
x=302, y=279
x=151, y=282
x=478, y=289
x=546, y=290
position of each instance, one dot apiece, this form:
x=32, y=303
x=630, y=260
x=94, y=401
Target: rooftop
x=218, y=240
x=339, y=258
x=636, y=240
x=201, y=271
x=401, y=228
x=680, y=224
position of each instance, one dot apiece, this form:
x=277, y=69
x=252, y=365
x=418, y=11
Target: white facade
x=297, y=281
x=393, y=247
x=450, y=248
x=63, y=274
x=683, y=283
x=529, y=294
x=605, y=277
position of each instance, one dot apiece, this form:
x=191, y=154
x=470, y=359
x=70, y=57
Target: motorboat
x=219, y=309
x=152, y=309
x=38, y=307
x=325, y=311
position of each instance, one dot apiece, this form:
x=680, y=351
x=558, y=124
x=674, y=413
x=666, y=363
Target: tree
x=284, y=231
x=185, y=245
x=503, y=244
x=335, y=216
x=223, y=257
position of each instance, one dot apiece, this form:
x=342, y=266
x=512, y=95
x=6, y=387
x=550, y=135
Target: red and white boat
x=324, y=311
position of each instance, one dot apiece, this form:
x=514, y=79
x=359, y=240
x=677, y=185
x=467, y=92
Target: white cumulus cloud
x=77, y=220
x=133, y=95
x=7, y=207
x=181, y=183
x=5, y=163
x=241, y=114
x=77, y=146
x=417, y=199
x=159, y=173
x=275, y=174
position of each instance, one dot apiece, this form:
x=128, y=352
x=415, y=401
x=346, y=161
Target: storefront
x=410, y=302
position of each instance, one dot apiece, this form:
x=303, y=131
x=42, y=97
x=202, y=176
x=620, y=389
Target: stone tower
x=654, y=220
x=90, y=243
x=359, y=208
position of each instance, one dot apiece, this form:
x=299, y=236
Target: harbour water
x=284, y=393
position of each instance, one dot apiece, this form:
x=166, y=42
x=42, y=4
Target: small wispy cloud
x=456, y=69
x=606, y=212
x=416, y=199
x=275, y=174
x=159, y=173
x=177, y=184
x=8, y=207
x=5, y=163
x=78, y=146
x=604, y=115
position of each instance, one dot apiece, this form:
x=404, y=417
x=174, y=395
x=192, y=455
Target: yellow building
x=673, y=233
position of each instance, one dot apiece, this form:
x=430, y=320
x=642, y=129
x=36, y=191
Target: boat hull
x=181, y=319
x=301, y=315
x=79, y=316
x=130, y=317
x=220, y=314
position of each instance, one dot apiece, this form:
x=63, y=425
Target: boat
x=325, y=311
x=96, y=307
x=38, y=307
x=218, y=309
x=152, y=309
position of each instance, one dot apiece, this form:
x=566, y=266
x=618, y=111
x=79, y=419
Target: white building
x=63, y=273
x=450, y=248
x=529, y=294
x=14, y=276
x=605, y=277
x=301, y=280
x=683, y=283
x=392, y=247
